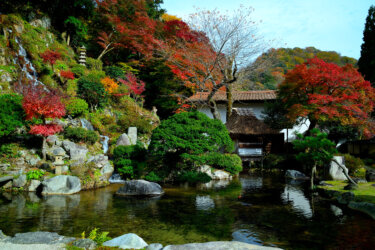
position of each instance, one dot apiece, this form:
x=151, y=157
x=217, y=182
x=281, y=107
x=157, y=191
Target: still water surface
x=259, y=210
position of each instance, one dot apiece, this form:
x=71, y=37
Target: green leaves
x=11, y=113
x=315, y=149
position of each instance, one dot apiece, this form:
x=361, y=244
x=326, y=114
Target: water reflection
x=204, y=202
x=296, y=197
x=252, y=209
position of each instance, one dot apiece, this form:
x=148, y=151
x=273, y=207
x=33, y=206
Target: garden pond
x=264, y=210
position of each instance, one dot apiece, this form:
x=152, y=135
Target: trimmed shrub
x=9, y=150
x=129, y=160
x=11, y=114
x=193, y=177
x=229, y=162
x=272, y=160
x=153, y=177
x=81, y=135
x=191, y=136
x=77, y=107
x=353, y=164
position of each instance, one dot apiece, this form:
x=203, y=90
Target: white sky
x=332, y=25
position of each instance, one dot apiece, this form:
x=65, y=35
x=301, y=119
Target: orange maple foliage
x=109, y=84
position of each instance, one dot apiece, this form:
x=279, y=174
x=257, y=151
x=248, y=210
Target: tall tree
x=366, y=62
x=207, y=54
x=324, y=92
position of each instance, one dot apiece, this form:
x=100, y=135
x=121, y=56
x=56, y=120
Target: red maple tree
x=321, y=91
x=40, y=103
x=50, y=56
x=131, y=27
x=135, y=86
x=67, y=74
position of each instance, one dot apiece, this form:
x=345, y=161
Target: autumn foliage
x=109, y=84
x=135, y=86
x=50, y=56
x=67, y=74
x=131, y=27
x=323, y=91
x=40, y=103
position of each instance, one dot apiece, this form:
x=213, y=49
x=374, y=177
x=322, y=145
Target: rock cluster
x=140, y=188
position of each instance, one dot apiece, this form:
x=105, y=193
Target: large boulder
x=20, y=181
x=217, y=245
x=62, y=184
x=106, y=172
x=295, y=175
x=215, y=174
x=39, y=238
x=34, y=184
x=79, y=153
x=98, y=161
x=335, y=171
x=370, y=175
x=140, y=188
x=127, y=241
x=123, y=140
x=86, y=124
x=53, y=140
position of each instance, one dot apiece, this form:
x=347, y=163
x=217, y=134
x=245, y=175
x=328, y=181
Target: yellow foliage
x=166, y=17
x=109, y=84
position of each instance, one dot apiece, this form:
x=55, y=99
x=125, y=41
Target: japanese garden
x=126, y=126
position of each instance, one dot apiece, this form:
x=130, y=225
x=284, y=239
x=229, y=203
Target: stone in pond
x=127, y=241
x=140, y=188
x=39, y=238
x=85, y=244
x=155, y=246
x=62, y=184
x=295, y=175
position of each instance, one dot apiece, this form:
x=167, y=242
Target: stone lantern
x=82, y=56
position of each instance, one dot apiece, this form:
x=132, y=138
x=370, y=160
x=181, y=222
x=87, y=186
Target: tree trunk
x=229, y=101
x=44, y=148
x=68, y=40
x=313, y=170
x=345, y=173
x=214, y=111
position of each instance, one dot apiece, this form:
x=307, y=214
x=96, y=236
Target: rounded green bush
x=11, y=113
x=77, y=107
x=81, y=135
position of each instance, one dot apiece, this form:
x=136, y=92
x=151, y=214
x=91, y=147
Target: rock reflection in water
x=214, y=184
x=204, y=202
x=251, y=183
x=296, y=197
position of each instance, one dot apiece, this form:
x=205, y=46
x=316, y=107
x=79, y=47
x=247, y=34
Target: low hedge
x=81, y=135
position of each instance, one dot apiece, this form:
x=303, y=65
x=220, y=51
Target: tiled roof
x=237, y=96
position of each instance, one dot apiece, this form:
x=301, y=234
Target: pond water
x=254, y=209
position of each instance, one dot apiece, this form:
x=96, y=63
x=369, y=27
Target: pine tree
x=366, y=62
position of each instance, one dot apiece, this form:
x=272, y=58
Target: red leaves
x=67, y=74
x=41, y=103
x=50, y=56
x=45, y=129
x=136, y=87
x=325, y=91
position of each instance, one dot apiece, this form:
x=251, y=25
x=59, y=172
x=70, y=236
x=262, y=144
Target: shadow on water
x=254, y=209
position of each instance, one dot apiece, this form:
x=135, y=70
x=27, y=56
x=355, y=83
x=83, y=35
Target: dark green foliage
x=193, y=177
x=77, y=107
x=114, y=72
x=314, y=149
x=153, y=8
x=92, y=91
x=129, y=160
x=152, y=177
x=275, y=115
x=366, y=62
x=77, y=30
x=162, y=88
x=231, y=163
x=272, y=161
x=81, y=135
x=94, y=64
x=11, y=113
x=186, y=135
